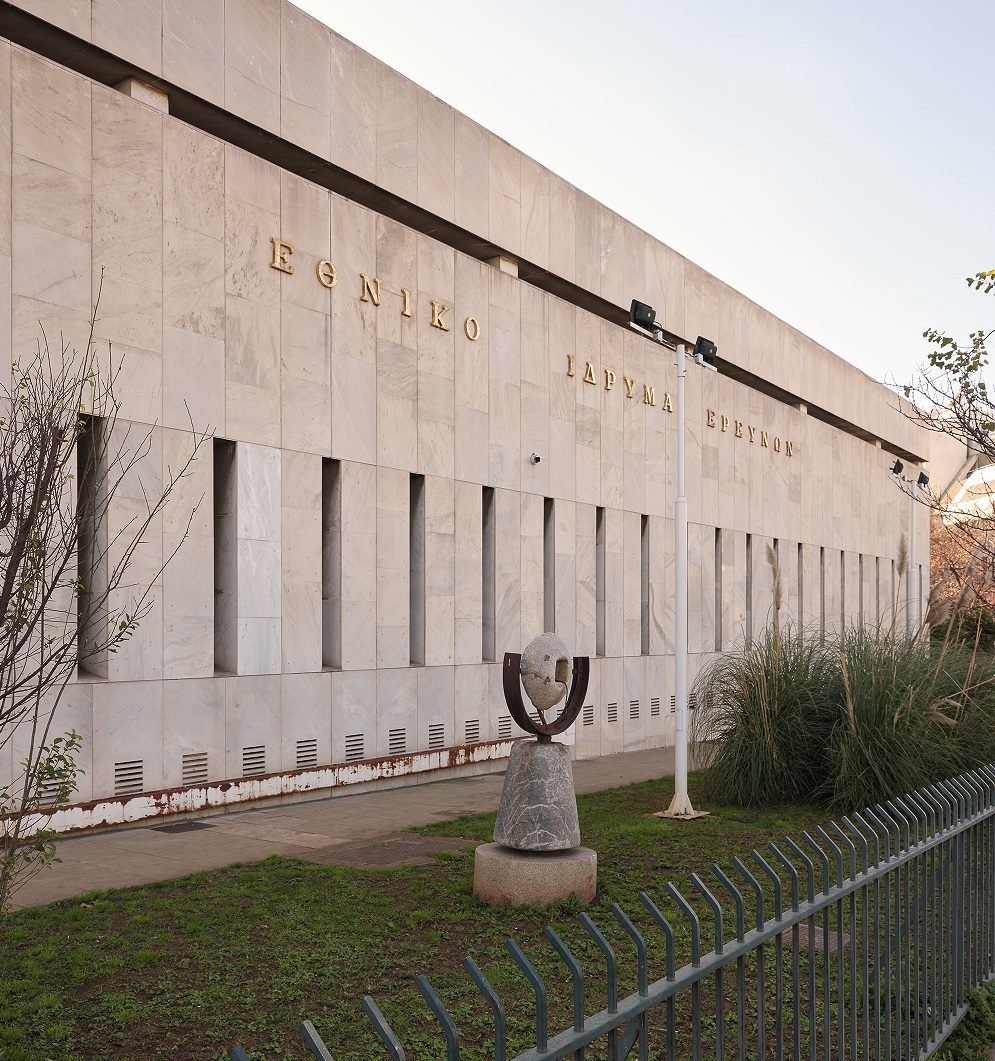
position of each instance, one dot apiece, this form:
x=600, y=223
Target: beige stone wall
x=291, y=76
x=95, y=182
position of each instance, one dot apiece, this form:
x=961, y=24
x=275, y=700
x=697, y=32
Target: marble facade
x=172, y=217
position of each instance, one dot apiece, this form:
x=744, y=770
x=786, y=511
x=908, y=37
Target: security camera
x=535, y=458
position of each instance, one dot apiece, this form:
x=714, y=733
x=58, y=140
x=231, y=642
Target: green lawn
x=185, y=968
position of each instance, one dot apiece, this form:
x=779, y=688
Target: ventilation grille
x=673, y=705
x=633, y=709
x=471, y=730
x=397, y=741
x=195, y=768
x=354, y=746
x=655, y=707
x=692, y=702
x=613, y=712
x=48, y=793
x=307, y=753
x=536, y=717
x=254, y=759
x=504, y=727
x=128, y=777
x=587, y=719
x=437, y=735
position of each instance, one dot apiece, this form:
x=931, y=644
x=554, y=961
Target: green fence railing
x=859, y=942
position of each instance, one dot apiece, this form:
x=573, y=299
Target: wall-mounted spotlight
x=643, y=316
x=897, y=468
x=923, y=481
x=704, y=351
x=535, y=458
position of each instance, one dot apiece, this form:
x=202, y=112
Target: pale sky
x=831, y=161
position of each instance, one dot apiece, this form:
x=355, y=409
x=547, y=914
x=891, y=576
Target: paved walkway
x=167, y=849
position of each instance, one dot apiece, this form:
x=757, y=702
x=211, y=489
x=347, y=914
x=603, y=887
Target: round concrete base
x=503, y=875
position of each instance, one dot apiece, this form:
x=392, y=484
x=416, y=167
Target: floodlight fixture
x=923, y=481
x=704, y=351
x=643, y=316
x=897, y=468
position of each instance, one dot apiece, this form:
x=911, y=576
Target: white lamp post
x=912, y=599
x=642, y=318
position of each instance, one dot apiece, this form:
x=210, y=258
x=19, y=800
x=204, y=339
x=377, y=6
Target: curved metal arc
x=313, y=1041
x=497, y=1007
x=606, y=949
x=689, y=912
x=737, y=896
x=792, y=872
x=808, y=863
x=440, y=1013
x=858, y=833
x=771, y=874
x=823, y=859
x=383, y=1029
x=538, y=987
x=576, y=974
x=668, y=933
x=758, y=890
x=512, y=682
x=881, y=824
x=851, y=847
x=866, y=827
x=715, y=908
x=636, y=936
x=837, y=850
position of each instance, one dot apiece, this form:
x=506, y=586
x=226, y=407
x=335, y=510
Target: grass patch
x=185, y=968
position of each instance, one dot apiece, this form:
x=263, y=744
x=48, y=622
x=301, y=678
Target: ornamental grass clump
x=846, y=720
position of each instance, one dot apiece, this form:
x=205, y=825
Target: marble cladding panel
x=586, y=583
x=252, y=63
x=300, y=543
x=306, y=717
x=436, y=156
x=193, y=46
x=193, y=723
x=397, y=710
x=353, y=108
x=661, y=577
x=612, y=692
x=631, y=587
x=504, y=195
x=127, y=728
x=397, y=134
x=634, y=708
x=530, y=571
x=359, y=565
x=73, y=713
x=253, y=707
x=518, y=523
x=354, y=713
x=131, y=29
x=305, y=85
x=472, y=708
x=392, y=568
x=440, y=571
x=565, y=543
x=468, y=525
x=305, y=392
x=436, y=707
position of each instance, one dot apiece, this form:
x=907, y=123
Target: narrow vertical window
x=488, y=582
x=225, y=558
x=718, y=589
x=90, y=548
x=842, y=590
x=644, y=585
x=801, y=585
x=331, y=563
x=860, y=589
x=822, y=592
x=549, y=565
x=416, y=569
x=599, y=578
x=749, y=588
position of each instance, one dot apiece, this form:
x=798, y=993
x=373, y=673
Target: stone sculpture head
x=547, y=671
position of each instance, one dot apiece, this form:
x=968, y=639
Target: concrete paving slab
x=162, y=851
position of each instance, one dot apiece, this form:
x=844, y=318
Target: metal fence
x=859, y=942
